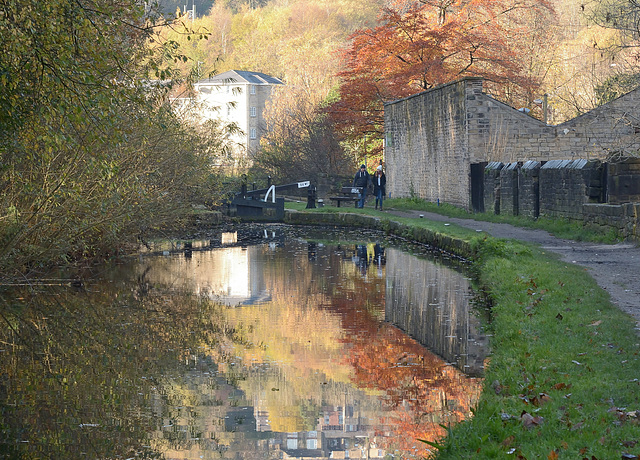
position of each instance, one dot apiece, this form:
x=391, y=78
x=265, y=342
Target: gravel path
x=616, y=268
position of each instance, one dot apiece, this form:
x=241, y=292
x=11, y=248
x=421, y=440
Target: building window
x=253, y=133
x=253, y=89
x=253, y=111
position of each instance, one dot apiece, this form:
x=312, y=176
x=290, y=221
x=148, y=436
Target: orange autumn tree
x=419, y=45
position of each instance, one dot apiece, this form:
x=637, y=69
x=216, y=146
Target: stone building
x=439, y=142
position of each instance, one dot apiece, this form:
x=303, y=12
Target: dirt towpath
x=616, y=268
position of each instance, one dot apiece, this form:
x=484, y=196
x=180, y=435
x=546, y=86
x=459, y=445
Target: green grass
x=562, y=228
x=439, y=227
x=563, y=377
x=561, y=353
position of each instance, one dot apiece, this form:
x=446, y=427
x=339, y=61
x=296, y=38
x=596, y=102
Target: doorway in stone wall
x=477, y=186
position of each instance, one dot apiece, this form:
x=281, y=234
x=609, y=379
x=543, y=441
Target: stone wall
x=491, y=187
x=431, y=138
x=622, y=219
x=569, y=189
x=509, y=189
x=553, y=189
x=426, y=143
x=564, y=186
x=511, y=135
x=529, y=189
x=623, y=181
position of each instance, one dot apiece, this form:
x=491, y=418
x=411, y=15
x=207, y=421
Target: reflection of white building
x=229, y=275
x=341, y=432
x=239, y=97
x=231, y=281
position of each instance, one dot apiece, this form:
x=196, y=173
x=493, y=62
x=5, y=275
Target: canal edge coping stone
x=441, y=241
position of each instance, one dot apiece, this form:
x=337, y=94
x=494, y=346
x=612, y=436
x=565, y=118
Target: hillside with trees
x=92, y=153
x=341, y=59
x=90, y=150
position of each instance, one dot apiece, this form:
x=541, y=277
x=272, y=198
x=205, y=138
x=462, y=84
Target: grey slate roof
x=566, y=164
x=241, y=76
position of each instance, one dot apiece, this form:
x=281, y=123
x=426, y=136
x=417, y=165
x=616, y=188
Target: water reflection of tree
x=422, y=391
x=298, y=335
x=95, y=371
x=76, y=364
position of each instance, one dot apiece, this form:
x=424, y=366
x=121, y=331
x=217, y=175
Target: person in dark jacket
x=362, y=180
x=379, y=186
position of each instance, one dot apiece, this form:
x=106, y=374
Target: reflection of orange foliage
x=422, y=391
x=407, y=433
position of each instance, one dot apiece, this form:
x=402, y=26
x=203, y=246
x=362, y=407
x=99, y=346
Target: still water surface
x=265, y=343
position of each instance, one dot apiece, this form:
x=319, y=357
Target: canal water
x=265, y=342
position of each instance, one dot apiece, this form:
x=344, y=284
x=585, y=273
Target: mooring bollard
x=311, y=197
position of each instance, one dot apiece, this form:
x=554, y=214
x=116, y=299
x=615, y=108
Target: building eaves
x=239, y=77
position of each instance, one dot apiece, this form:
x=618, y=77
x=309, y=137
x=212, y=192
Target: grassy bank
x=562, y=380
x=561, y=228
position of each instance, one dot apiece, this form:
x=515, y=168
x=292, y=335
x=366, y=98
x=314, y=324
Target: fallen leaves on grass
x=529, y=421
x=508, y=441
x=561, y=386
x=624, y=414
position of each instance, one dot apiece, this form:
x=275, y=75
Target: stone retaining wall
x=600, y=195
x=623, y=181
x=491, y=187
x=622, y=218
x=563, y=187
x=509, y=189
x=529, y=189
x=441, y=241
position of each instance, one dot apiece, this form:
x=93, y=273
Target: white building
x=238, y=96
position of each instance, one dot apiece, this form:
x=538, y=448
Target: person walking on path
x=379, y=189
x=362, y=179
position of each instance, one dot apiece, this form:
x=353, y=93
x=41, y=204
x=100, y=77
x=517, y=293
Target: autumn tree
x=620, y=20
x=90, y=151
x=616, y=14
x=419, y=45
x=299, y=142
x=294, y=41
